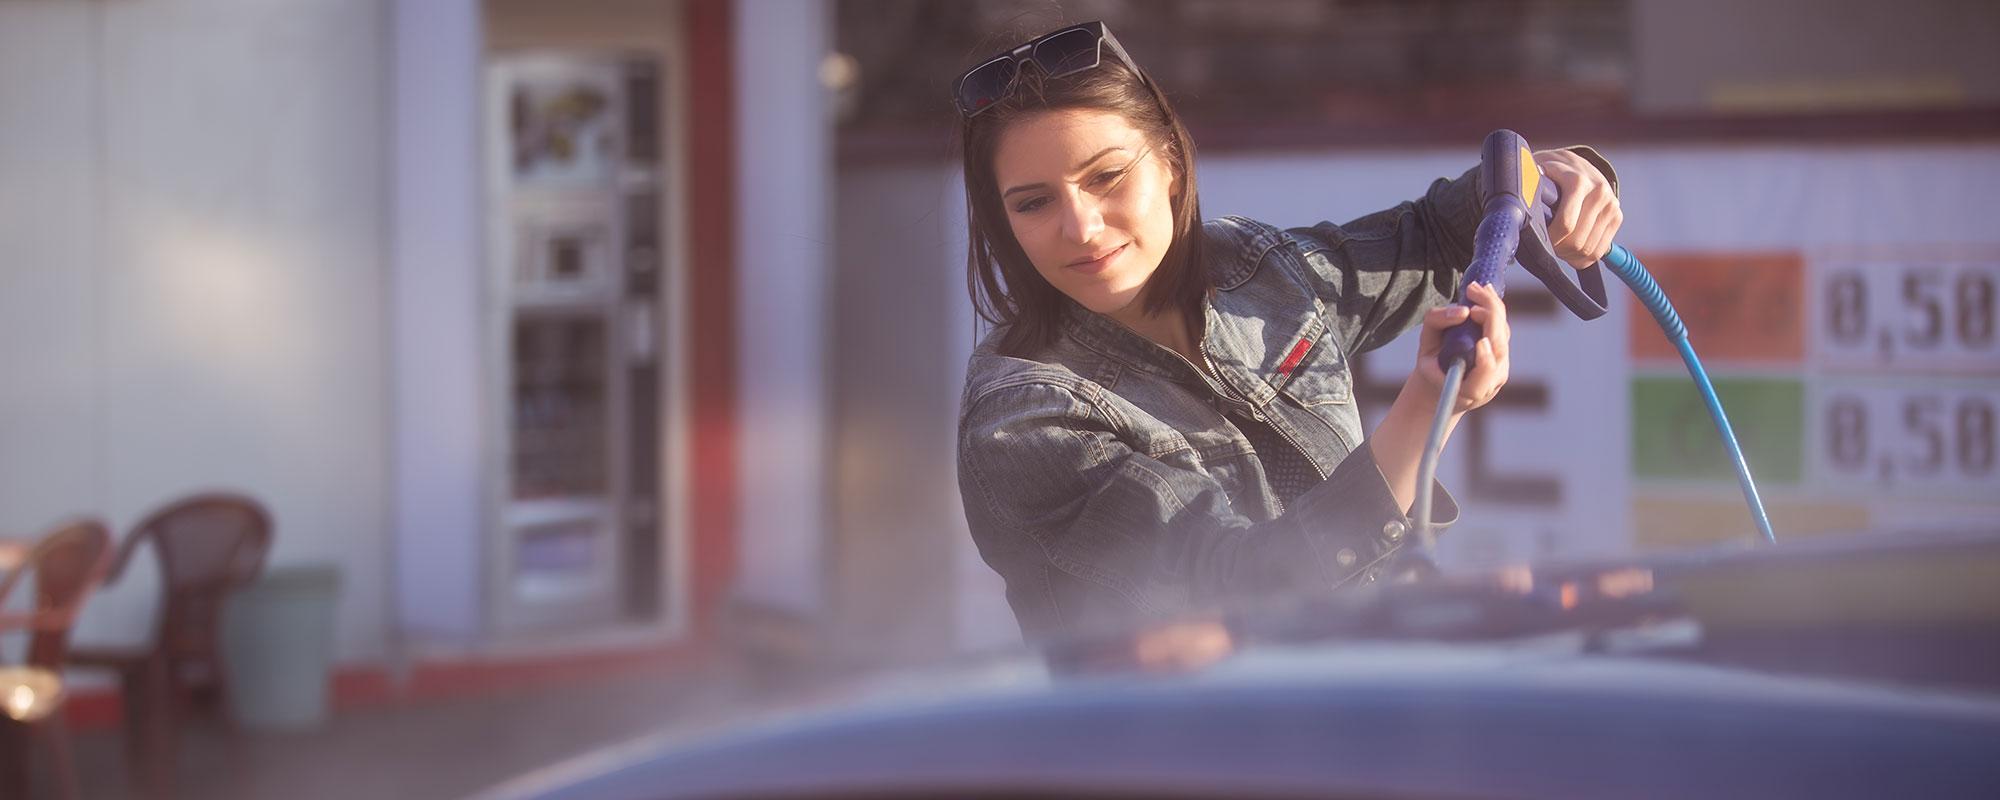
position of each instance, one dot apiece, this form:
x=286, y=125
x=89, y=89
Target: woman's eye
x=1030, y=205
x=1108, y=178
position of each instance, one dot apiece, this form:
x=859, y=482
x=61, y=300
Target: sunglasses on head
x=1058, y=53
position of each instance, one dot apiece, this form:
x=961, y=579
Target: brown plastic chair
x=65, y=564
x=208, y=546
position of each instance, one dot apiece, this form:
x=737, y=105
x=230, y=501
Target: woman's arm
x=1380, y=273
x=1398, y=442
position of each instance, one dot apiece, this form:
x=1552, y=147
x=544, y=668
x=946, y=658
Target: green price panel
x=1673, y=437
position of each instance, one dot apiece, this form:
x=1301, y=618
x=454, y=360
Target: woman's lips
x=1096, y=265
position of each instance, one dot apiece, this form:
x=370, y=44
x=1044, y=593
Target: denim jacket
x=1104, y=478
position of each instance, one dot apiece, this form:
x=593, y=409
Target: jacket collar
x=1234, y=247
x=1111, y=340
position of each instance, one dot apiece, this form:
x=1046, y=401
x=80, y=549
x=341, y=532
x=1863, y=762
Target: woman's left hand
x=1587, y=216
x=1490, y=363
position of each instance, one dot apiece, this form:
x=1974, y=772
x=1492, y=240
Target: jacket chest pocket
x=1321, y=378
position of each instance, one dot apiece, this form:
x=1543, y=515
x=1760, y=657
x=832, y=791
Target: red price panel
x=1907, y=314
x=1899, y=437
x=1740, y=308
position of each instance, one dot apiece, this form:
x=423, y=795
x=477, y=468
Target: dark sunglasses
x=1063, y=52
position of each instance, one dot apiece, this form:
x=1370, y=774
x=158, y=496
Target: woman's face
x=1089, y=200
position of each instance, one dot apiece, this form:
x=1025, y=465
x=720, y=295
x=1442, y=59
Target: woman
x=1163, y=417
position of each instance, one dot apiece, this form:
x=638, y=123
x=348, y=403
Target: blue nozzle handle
x=1504, y=193
x=1492, y=247
x=1516, y=204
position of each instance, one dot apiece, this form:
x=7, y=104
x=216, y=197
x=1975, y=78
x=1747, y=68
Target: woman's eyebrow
x=1029, y=187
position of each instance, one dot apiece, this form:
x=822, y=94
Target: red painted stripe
x=711, y=283
x=475, y=678
x=93, y=710
x=357, y=686
x=1298, y=354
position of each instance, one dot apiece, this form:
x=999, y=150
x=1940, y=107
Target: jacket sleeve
x=1090, y=533
x=1380, y=273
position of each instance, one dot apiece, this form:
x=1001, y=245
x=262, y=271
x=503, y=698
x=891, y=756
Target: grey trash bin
x=277, y=641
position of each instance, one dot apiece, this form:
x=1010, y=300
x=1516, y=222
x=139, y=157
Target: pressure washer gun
x=1516, y=206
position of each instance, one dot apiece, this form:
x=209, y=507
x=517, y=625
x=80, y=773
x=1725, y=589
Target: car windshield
x=890, y=398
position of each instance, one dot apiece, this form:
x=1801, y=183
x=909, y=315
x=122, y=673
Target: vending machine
x=575, y=340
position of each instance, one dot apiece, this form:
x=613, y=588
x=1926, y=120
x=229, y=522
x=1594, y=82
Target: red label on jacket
x=1293, y=358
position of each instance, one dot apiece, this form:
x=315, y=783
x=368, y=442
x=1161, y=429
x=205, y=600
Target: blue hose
x=1628, y=269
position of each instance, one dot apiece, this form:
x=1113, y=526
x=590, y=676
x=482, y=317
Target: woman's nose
x=1082, y=220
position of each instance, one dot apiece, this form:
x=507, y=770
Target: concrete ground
x=444, y=748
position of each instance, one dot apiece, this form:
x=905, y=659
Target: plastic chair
x=208, y=546
x=65, y=564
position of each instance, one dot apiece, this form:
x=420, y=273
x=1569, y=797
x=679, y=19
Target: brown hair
x=1005, y=288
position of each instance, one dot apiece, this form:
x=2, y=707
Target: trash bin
x=277, y=641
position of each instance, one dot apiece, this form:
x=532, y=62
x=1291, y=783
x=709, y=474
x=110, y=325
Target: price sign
x=1907, y=314
x=1900, y=437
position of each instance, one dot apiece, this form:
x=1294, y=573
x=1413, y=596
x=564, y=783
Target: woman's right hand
x=1489, y=366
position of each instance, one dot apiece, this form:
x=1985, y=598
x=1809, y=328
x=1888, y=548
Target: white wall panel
x=215, y=230
x=436, y=351
x=51, y=450
x=784, y=252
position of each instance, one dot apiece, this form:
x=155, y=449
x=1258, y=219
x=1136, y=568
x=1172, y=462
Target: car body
x=1845, y=666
